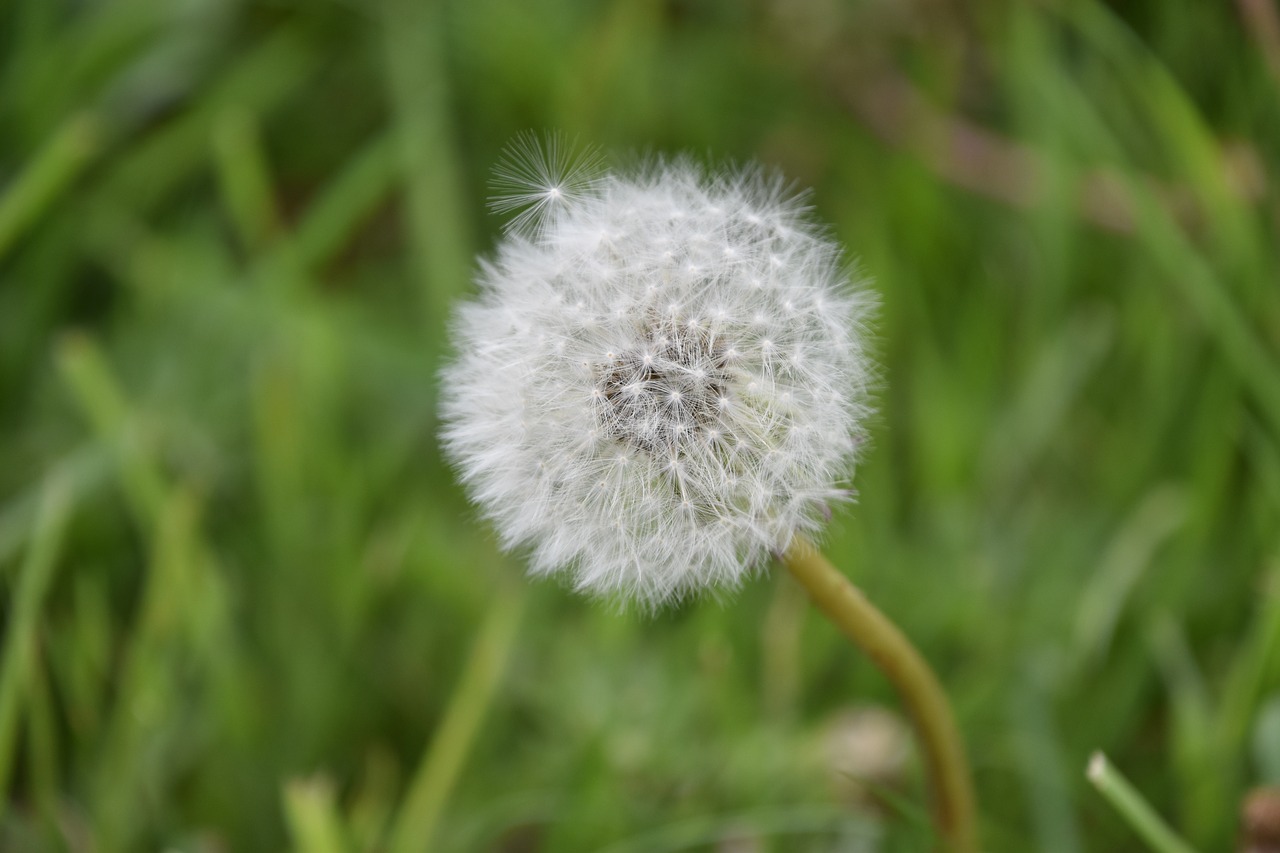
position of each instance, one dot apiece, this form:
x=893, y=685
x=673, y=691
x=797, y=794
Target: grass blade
x=420, y=810
x=20, y=639
x=46, y=178
x=1131, y=806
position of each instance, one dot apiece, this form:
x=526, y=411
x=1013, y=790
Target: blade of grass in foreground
x=89, y=376
x=313, y=817
x=420, y=810
x=1131, y=806
x=20, y=639
x=362, y=183
x=244, y=176
x=147, y=680
x=48, y=175
x=418, y=80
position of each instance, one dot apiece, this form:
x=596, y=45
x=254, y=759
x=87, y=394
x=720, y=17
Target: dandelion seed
x=694, y=419
x=537, y=178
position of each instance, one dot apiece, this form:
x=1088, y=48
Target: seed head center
x=664, y=391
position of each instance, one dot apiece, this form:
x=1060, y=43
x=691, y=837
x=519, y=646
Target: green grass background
x=246, y=607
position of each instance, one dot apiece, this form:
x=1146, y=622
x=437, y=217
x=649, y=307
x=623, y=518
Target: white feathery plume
x=663, y=378
x=539, y=177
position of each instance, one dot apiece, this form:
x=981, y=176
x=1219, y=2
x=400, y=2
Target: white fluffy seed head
x=662, y=380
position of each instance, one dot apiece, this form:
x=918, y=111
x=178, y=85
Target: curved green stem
x=870, y=630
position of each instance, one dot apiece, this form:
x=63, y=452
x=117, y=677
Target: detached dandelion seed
x=655, y=315
x=536, y=179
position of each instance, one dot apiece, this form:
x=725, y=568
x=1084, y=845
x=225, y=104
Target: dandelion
x=660, y=385
x=662, y=381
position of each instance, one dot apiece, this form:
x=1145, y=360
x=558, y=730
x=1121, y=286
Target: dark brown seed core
x=667, y=390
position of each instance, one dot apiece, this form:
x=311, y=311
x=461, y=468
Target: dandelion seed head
x=658, y=412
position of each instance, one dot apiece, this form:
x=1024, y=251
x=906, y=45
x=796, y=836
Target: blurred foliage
x=246, y=607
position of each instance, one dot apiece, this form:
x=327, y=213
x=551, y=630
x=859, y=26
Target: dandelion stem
x=870, y=630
